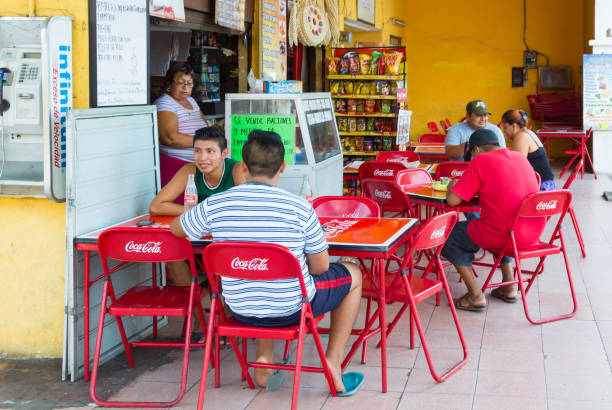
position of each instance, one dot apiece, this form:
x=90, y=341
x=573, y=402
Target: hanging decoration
x=313, y=23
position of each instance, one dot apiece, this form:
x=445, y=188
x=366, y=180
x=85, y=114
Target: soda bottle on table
x=306, y=191
x=191, y=193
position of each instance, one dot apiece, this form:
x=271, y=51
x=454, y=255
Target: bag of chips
x=352, y=124
x=385, y=106
x=331, y=64
x=357, y=85
x=392, y=63
x=375, y=62
x=342, y=124
x=369, y=106
x=361, y=124
x=340, y=105
x=348, y=87
x=364, y=64
x=334, y=87
x=360, y=106
x=351, y=105
x=370, y=124
x=354, y=64
x=344, y=66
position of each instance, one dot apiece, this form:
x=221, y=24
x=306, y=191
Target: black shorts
x=332, y=287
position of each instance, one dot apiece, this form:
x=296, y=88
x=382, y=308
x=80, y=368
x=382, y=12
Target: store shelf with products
x=363, y=83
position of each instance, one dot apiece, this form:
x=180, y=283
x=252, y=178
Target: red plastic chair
x=404, y=287
x=579, y=153
x=537, y=205
x=275, y=263
x=150, y=245
x=346, y=207
x=397, y=156
x=433, y=128
x=451, y=169
x=432, y=139
x=413, y=176
x=567, y=185
x=380, y=170
x=389, y=196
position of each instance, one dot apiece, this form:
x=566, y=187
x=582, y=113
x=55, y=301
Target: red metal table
x=376, y=238
x=578, y=136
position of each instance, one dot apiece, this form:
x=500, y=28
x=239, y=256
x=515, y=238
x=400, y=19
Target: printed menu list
x=597, y=91
x=230, y=14
x=121, y=52
x=273, y=36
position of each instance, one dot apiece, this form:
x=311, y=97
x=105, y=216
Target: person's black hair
x=212, y=133
x=173, y=70
x=518, y=117
x=263, y=153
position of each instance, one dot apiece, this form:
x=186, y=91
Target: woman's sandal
x=466, y=302
x=499, y=294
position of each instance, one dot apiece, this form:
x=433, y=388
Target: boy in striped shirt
x=259, y=211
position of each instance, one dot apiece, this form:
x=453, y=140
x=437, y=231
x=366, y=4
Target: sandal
x=466, y=302
x=497, y=293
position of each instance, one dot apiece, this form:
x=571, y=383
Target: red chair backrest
x=413, y=176
x=143, y=245
x=346, y=207
x=388, y=195
x=443, y=125
x=451, y=169
x=380, y=170
x=432, y=139
x=251, y=261
x=397, y=156
x=435, y=231
x=544, y=204
x=573, y=175
x=433, y=128
x=448, y=123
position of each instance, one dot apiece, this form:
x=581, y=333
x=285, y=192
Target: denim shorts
x=460, y=249
x=332, y=287
x=548, y=185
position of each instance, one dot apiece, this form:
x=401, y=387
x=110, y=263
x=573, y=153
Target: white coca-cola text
x=383, y=172
x=438, y=233
x=552, y=204
x=456, y=172
x=253, y=264
x=382, y=194
x=147, y=247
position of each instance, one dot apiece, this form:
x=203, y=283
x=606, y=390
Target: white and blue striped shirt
x=256, y=212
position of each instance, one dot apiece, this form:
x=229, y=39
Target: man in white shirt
x=477, y=117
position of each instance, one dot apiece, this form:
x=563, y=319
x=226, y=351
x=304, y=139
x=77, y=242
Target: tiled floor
x=512, y=364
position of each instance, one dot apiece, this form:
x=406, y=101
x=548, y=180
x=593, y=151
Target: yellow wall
x=384, y=13
x=33, y=231
x=457, y=53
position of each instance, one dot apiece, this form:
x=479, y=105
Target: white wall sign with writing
x=366, y=11
x=119, y=49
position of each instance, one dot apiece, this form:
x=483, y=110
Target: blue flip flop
x=352, y=383
x=278, y=378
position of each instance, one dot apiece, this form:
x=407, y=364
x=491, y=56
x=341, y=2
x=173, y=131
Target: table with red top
x=433, y=151
x=376, y=238
x=579, y=138
x=428, y=196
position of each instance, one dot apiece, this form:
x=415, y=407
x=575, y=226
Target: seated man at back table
x=213, y=172
x=501, y=179
x=259, y=211
x=477, y=117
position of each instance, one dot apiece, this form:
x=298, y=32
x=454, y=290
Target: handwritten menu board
x=119, y=52
x=230, y=14
x=273, y=39
x=167, y=9
x=283, y=125
x=597, y=91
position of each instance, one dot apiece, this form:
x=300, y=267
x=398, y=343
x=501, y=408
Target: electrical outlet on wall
x=530, y=59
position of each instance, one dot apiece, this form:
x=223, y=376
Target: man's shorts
x=332, y=287
x=460, y=249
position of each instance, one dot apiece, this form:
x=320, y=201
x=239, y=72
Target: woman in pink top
x=178, y=118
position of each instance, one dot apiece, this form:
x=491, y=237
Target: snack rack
x=365, y=99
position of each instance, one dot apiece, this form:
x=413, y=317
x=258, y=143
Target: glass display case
x=307, y=125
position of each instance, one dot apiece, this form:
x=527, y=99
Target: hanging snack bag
x=340, y=105
x=364, y=64
x=385, y=106
x=348, y=87
x=344, y=66
x=392, y=63
x=361, y=124
x=331, y=64
x=375, y=62
x=354, y=64
x=351, y=105
x=352, y=124
x=370, y=124
x=369, y=106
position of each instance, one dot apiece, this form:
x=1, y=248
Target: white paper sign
x=403, y=127
x=121, y=52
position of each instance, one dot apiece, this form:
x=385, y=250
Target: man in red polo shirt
x=501, y=179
